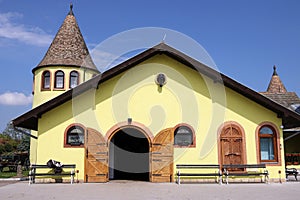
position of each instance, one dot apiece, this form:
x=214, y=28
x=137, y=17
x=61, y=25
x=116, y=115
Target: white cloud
x=29, y=35
x=15, y=99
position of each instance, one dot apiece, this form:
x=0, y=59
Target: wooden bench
x=257, y=170
x=33, y=172
x=195, y=170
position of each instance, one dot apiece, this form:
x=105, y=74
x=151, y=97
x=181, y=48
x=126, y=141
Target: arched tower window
x=59, y=80
x=46, y=80
x=74, y=79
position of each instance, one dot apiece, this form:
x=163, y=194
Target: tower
x=278, y=92
x=276, y=86
x=66, y=64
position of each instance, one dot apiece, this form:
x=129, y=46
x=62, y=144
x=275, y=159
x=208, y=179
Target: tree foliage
x=13, y=140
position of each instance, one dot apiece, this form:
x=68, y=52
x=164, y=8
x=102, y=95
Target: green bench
x=33, y=172
x=256, y=170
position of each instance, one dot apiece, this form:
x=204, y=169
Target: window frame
x=55, y=80
x=276, y=144
x=70, y=78
x=67, y=131
x=43, y=81
x=193, y=145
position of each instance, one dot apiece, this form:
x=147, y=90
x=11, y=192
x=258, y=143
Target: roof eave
x=290, y=118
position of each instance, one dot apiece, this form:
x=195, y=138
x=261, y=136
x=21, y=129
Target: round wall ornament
x=161, y=79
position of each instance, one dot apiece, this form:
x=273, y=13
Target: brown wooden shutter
x=96, y=161
x=162, y=156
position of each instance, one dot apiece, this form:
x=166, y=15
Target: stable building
x=142, y=117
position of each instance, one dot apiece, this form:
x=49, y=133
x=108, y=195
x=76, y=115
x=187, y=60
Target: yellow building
x=144, y=116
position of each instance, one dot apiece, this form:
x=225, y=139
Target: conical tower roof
x=68, y=47
x=275, y=85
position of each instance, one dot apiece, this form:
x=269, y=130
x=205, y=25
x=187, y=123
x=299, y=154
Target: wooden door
x=231, y=144
x=96, y=158
x=162, y=156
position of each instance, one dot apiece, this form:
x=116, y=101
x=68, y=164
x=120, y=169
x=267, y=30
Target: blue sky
x=244, y=38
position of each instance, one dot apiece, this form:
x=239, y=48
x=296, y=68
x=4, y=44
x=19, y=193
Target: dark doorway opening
x=129, y=155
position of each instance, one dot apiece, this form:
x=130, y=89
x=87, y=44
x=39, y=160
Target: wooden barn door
x=96, y=158
x=231, y=143
x=162, y=157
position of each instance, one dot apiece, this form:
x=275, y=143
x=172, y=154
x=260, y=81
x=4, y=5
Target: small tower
x=277, y=92
x=276, y=86
x=66, y=64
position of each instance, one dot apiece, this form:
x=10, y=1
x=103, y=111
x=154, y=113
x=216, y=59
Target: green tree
x=14, y=139
x=24, y=145
x=12, y=132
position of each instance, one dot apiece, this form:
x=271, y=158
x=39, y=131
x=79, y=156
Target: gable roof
x=30, y=119
x=68, y=48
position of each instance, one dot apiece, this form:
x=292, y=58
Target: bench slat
x=197, y=174
x=196, y=166
x=245, y=166
x=52, y=174
x=46, y=166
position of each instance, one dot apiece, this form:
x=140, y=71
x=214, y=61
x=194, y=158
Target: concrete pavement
x=134, y=190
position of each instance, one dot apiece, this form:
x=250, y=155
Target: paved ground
x=144, y=190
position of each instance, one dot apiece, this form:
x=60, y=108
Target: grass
x=9, y=174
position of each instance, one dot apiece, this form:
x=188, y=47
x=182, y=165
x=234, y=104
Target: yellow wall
x=188, y=97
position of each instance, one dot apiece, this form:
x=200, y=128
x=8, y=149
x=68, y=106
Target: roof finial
x=71, y=9
x=274, y=72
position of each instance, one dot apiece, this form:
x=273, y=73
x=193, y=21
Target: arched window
x=74, y=79
x=267, y=144
x=74, y=136
x=184, y=136
x=46, y=80
x=59, y=80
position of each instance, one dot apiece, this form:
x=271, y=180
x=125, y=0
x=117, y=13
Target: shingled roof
x=276, y=85
x=277, y=92
x=68, y=47
x=286, y=99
